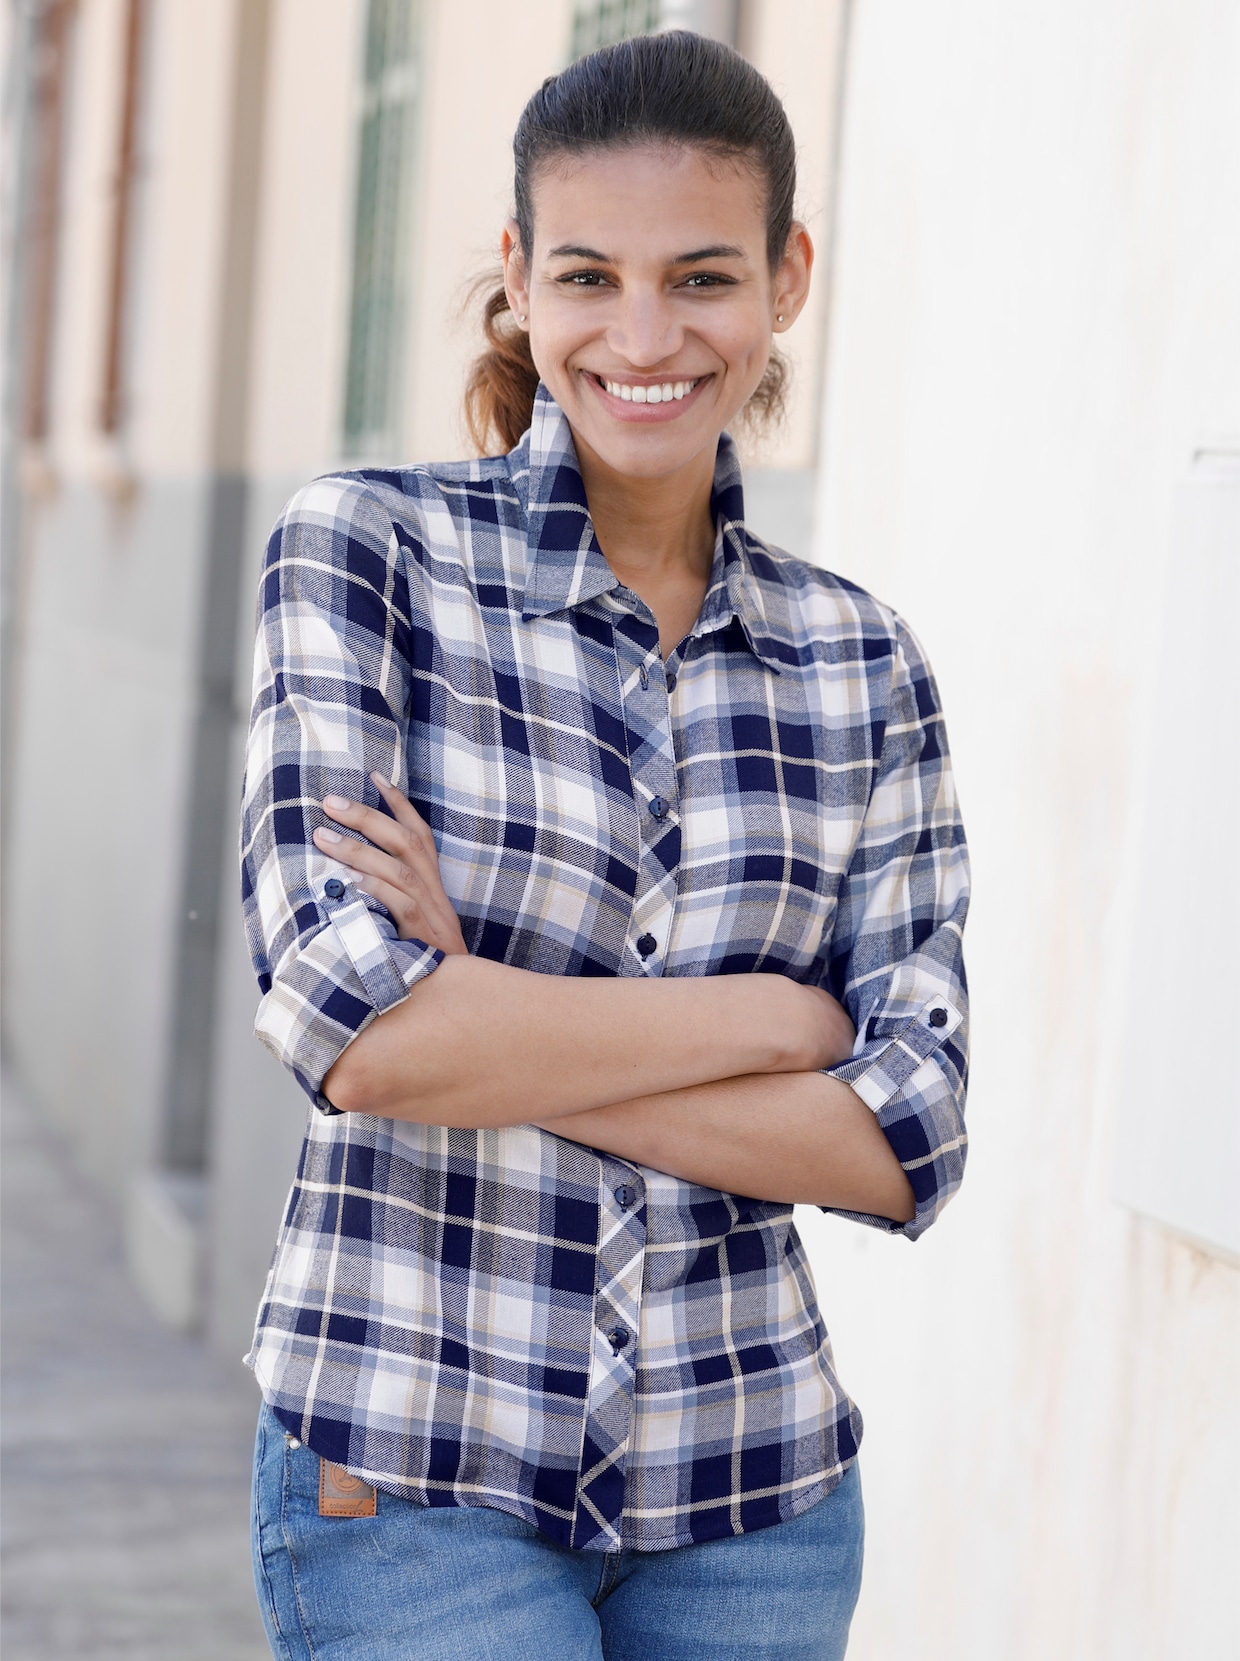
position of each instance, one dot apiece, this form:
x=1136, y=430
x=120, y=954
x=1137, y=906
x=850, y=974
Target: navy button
x=938, y=1017
x=333, y=888
x=618, y=1338
x=671, y=683
x=659, y=807
x=625, y=1196
x=647, y=944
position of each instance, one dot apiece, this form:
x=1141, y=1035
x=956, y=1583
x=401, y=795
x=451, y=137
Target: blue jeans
x=418, y=1583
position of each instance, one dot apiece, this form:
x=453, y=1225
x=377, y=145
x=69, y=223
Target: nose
x=644, y=329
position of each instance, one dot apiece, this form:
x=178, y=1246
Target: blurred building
x=238, y=240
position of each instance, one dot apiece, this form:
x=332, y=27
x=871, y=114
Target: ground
x=126, y=1448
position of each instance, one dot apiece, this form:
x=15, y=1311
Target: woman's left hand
x=400, y=870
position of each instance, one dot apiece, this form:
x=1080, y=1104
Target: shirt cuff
x=330, y=990
x=894, y=1048
x=900, y=1075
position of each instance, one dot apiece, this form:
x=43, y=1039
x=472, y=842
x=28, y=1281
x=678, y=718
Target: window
x=380, y=298
x=601, y=22
x=49, y=45
x=114, y=392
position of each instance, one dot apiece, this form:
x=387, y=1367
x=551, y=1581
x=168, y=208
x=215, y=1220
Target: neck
x=652, y=530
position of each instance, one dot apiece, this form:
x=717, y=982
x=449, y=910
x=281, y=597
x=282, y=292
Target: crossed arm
x=714, y=1080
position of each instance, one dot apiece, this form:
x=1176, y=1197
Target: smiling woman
x=630, y=917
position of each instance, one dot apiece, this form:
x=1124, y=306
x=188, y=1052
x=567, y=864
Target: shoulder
x=815, y=607
x=378, y=499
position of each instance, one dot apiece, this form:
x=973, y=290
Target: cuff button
x=333, y=888
x=938, y=1017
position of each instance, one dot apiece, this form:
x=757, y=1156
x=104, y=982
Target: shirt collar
x=566, y=565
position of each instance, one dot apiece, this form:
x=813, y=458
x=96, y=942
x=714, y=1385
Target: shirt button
x=647, y=944
x=938, y=1017
x=333, y=888
x=625, y=1196
x=671, y=683
x=617, y=1338
x=659, y=808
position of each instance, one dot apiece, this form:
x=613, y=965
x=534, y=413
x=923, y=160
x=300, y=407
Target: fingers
x=404, y=836
x=403, y=809
x=418, y=913
x=360, y=856
x=402, y=906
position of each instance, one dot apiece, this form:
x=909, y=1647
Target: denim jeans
x=418, y=1583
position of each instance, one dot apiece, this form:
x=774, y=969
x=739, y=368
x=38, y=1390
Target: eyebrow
x=720, y=251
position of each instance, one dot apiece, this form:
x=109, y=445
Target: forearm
x=480, y=1044
x=798, y=1138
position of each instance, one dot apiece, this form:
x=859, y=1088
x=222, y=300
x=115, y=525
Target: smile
x=665, y=392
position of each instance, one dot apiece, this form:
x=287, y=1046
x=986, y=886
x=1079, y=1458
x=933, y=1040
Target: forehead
x=648, y=201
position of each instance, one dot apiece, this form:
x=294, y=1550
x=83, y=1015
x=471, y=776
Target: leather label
x=341, y=1494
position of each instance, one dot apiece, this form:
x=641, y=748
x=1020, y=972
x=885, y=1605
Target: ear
x=791, y=286
x=515, y=285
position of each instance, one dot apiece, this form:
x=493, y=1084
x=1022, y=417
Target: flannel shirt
x=504, y=1317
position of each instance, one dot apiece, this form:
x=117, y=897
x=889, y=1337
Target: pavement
x=125, y=1447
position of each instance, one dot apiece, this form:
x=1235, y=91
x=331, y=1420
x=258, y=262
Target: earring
x=779, y=316
x=521, y=317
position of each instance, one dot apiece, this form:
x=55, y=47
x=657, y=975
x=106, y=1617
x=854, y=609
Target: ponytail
x=499, y=394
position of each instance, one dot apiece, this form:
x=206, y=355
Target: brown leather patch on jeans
x=341, y=1494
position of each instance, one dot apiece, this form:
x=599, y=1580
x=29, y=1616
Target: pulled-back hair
x=678, y=89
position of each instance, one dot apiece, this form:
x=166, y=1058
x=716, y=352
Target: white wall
x=1035, y=329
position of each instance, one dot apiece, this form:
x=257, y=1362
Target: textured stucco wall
x=1035, y=330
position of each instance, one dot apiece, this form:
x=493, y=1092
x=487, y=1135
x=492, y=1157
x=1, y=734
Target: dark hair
x=677, y=89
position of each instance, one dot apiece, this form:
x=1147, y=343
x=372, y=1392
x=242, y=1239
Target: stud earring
x=779, y=316
x=521, y=317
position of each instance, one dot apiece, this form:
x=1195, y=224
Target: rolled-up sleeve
x=331, y=692
x=896, y=958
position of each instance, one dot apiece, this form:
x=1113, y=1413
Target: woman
x=605, y=885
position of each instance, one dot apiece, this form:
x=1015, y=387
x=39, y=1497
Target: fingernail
x=324, y=835
x=385, y=783
x=337, y=804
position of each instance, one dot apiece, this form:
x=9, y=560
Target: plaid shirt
x=504, y=1317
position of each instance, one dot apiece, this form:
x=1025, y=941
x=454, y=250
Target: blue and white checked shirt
x=503, y=1317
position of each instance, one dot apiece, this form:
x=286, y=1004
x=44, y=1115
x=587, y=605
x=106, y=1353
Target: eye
x=583, y=279
x=708, y=279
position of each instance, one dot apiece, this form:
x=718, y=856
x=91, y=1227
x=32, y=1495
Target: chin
x=643, y=452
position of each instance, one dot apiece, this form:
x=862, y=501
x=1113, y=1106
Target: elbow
x=362, y=1079
x=346, y=1084
x=901, y=1206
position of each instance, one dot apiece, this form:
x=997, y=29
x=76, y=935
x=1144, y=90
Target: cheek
x=745, y=336
x=551, y=345
x=748, y=351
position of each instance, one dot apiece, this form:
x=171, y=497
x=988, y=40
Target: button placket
x=652, y=761
x=617, y=1318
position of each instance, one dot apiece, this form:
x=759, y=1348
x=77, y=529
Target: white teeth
x=650, y=394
